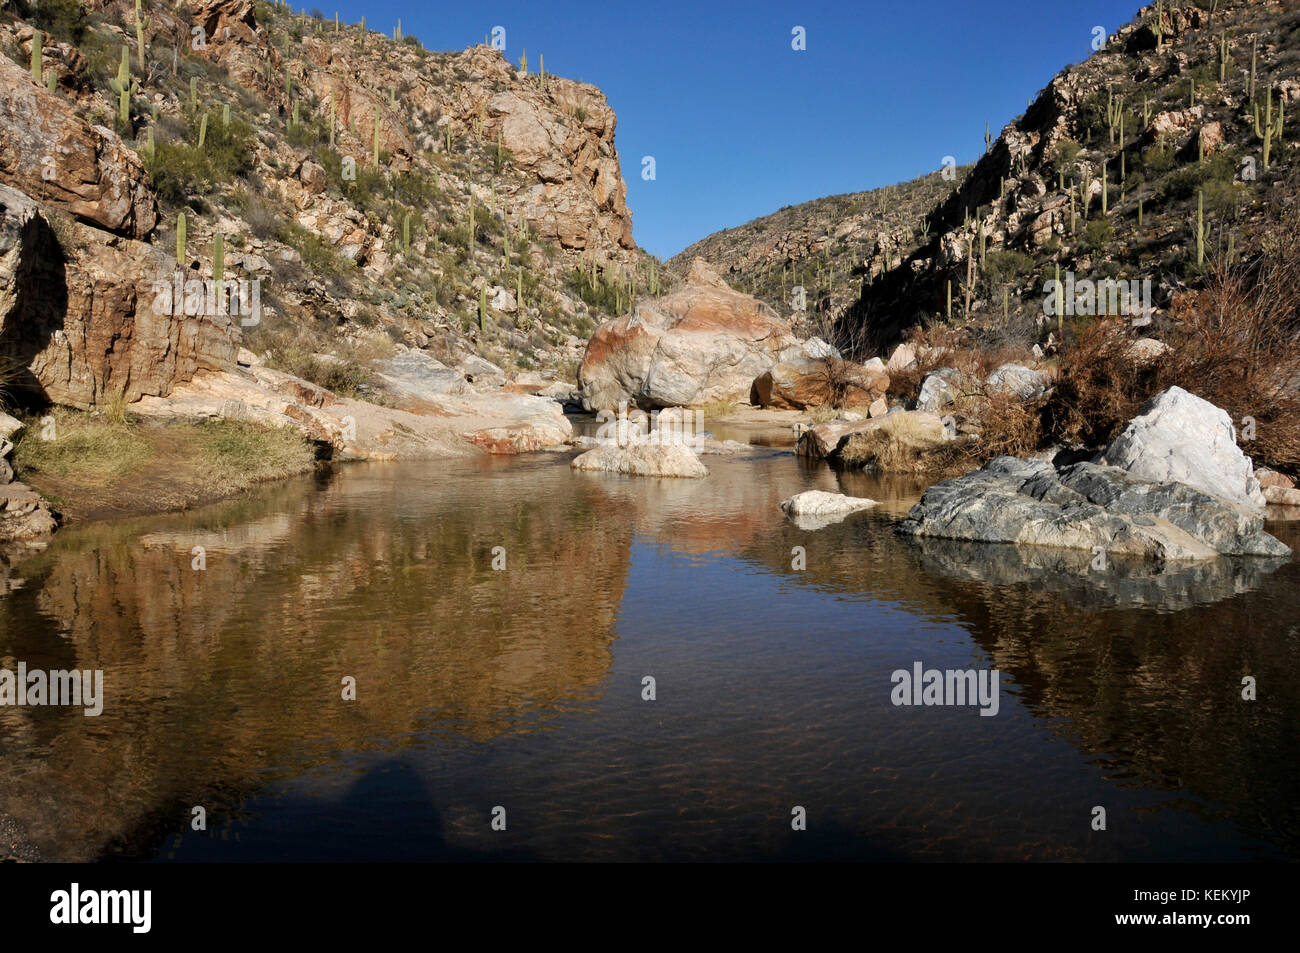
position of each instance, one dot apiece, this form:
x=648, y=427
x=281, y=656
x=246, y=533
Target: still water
x=522, y=688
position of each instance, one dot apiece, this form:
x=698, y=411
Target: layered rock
x=1090, y=507
x=47, y=149
x=81, y=318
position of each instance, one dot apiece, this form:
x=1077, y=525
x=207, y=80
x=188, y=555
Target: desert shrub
x=318, y=256
x=1006, y=265
x=63, y=19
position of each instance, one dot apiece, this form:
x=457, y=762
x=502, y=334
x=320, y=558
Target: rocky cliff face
x=375, y=195
x=1101, y=176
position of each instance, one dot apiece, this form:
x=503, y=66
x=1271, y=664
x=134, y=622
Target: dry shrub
x=1099, y=387
x=1238, y=346
x=1009, y=426
x=902, y=444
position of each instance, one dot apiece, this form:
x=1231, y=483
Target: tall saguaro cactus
x=180, y=240
x=142, y=23
x=38, y=61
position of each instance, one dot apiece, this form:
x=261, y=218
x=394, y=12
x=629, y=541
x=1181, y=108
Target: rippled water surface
x=522, y=688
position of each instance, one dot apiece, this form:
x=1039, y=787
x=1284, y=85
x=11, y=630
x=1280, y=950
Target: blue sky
x=740, y=124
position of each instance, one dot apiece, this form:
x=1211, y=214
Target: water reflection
x=522, y=686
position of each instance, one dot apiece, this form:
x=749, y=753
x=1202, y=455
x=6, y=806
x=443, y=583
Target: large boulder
x=1180, y=437
x=48, y=149
x=697, y=345
x=642, y=459
x=939, y=390
x=81, y=319
x=1086, y=506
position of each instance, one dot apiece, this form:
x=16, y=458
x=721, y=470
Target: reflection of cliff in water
x=217, y=678
x=1142, y=669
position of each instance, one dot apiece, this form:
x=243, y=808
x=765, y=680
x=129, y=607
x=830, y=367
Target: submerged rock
x=642, y=459
x=1091, y=507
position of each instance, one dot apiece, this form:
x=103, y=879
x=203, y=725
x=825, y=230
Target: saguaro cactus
x=1200, y=229
x=38, y=60
x=124, y=86
x=142, y=23
x=203, y=130
x=180, y=240
x=218, y=259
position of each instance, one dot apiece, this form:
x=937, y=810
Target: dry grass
x=91, y=448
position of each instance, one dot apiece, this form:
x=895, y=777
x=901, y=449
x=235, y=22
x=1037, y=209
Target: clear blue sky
x=740, y=124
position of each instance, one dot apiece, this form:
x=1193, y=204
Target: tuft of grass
x=240, y=454
x=86, y=447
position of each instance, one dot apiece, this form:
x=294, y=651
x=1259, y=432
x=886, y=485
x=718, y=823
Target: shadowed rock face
x=48, y=149
x=1088, y=507
x=82, y=321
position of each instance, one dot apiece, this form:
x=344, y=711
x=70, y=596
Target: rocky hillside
x=828, y=246
x=1184, y=121
x=377, y=193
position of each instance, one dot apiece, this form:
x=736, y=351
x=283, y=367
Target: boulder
x=1181, y=438
x=24, y=515
x=642, y=459
x=95, y=176
x=815, y=509
x=904, y=356
x=879, y=407
x=10, y=427
x=694, y=346
x=828, y=381
x=1017, y=380
x=1088, y=506
x=1282, y=496
x=939, y=389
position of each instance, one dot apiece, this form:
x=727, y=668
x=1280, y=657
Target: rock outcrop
x=700, y=344
x=1091, y=507
x=642, y=459
x=1180, y=437
x=80, y=315
x=47, y=149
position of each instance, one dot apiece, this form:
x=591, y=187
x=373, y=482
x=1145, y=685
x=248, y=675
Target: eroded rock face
x=1180, y=437
x=48, y=149
x=1087, y=506
x=82, y=321
x=642, y=459
x=697, y=345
